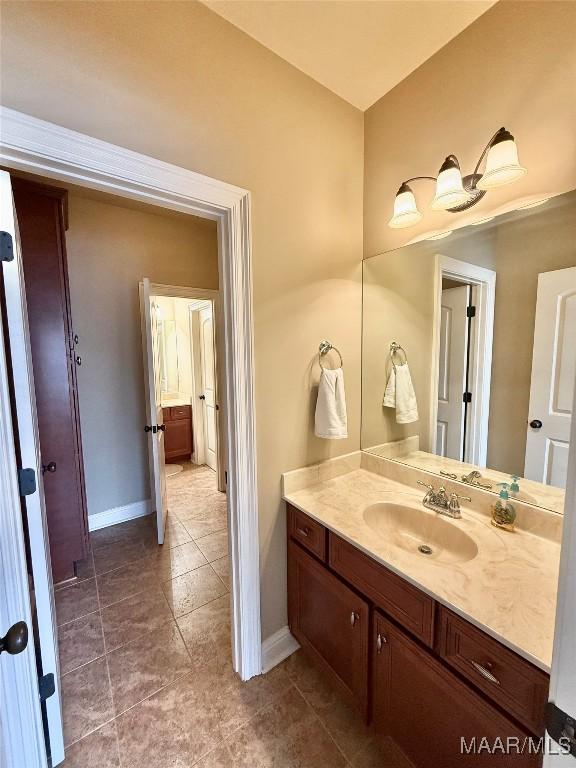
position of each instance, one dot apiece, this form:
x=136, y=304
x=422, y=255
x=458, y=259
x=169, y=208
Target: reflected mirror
x=469, y=352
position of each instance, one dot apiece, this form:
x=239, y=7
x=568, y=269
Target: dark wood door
x=426, y=710
x=40, y=212
x=331, y=623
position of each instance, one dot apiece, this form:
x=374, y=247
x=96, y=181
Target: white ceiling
x=359, y=49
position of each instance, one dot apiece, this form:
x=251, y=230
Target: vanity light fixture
x=455, y=193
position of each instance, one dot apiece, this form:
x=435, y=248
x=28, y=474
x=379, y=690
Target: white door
x=208, y=386
x=154, y=418
x=553, y=374
x=22, y=739
x=452, y=372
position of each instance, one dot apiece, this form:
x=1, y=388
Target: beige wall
x=398, y=305
x=110, y=249
x=514, y=66
x=175, y=81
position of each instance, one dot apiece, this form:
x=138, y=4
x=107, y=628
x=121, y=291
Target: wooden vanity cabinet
x=434, y=678
x=331, y=622
x=178, y=433
x=431, y=716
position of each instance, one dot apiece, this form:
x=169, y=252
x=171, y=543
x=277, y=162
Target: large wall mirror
x=469, y=352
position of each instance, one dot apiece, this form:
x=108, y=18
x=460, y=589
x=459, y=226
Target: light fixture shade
x=450, y=192
x=406, y=212
x=502, y=166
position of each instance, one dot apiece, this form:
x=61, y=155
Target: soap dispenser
x=514, y=486
x=503, y=513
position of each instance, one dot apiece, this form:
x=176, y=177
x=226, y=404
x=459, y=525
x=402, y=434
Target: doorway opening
x=66, y=158
x=462, y=360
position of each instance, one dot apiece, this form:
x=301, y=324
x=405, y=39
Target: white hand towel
x=400, y=395
x=330, y=420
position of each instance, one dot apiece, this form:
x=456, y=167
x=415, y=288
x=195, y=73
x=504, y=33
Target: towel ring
x=396, y=349
x=323, y=349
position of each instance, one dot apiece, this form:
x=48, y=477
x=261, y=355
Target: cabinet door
x=178, y=439
x=330, y=622
x=433, y=717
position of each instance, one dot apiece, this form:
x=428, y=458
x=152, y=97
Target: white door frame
x=37, y=146
x=484, y=281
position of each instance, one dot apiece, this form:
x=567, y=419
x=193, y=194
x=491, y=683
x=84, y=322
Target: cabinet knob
x=202, y=397
x=354, y=617
x=78, y=360
x=380, y=641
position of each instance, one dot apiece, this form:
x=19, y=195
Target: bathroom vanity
x=178, y=433
x=431, y=649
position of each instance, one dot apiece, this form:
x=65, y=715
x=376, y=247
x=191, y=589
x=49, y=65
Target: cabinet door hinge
x=46, y=686
x=6, y=247
x=562, y=728
x=26, y=482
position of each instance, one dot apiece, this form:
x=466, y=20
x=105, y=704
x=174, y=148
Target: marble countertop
x=175, y=401
x=508, y=590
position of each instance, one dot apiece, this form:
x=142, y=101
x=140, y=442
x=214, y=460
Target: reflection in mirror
x=480, y=384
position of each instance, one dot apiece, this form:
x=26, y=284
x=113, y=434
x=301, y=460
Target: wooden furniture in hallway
x=42, y=221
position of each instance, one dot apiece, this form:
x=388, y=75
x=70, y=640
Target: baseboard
x=118, y=515
x=278, y=647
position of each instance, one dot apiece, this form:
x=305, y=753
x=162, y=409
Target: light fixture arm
x=417, y=178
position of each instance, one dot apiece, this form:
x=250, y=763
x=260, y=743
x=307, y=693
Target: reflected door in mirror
x=553, y=374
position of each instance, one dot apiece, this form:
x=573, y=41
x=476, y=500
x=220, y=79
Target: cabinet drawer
x=180, y=412
x=519, y=687
x=307, y=532
x=400, y=600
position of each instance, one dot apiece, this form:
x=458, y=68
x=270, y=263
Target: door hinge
x=471, y=311
x=226, y=476
x=46, y=686
x=562, y=729
x=26, y=482
x=467, y=397
x=6, y=247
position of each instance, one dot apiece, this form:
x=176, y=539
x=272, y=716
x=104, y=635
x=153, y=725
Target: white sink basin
x=423, y=533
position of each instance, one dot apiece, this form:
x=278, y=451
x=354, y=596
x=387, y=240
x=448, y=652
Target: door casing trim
x=40, y=147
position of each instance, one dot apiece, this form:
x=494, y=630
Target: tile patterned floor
x=145, y=659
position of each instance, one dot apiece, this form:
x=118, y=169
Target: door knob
x=147, y=428
x=202, y=397
x=16, y=639
x=50, y=467
x=161, y=427
x=536, y=424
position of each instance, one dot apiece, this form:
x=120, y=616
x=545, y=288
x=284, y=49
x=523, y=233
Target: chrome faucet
x=474, y=477
x=439, y=501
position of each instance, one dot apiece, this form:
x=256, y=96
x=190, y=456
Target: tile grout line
x=322, y=723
